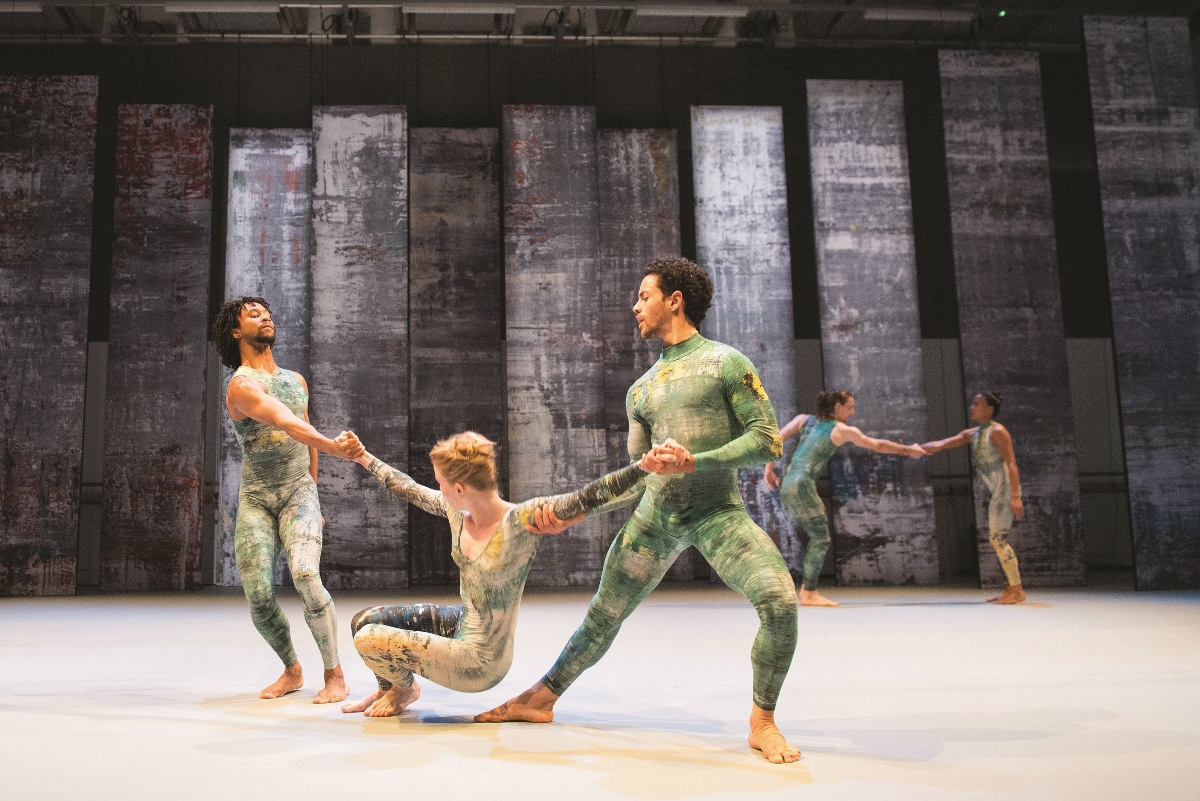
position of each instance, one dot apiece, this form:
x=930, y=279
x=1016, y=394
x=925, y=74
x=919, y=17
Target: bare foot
x=766, y=737
x=814, y=598
x=291, y=680
x=362, y=703
x=335, y=688
x=1013, y=594
x=394, y=701
x=535, y=705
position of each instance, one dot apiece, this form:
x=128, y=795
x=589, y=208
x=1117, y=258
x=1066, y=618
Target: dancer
x=820, y=435
x=705, y=406
x=277, y=501
x=468, y=648
x=992, y=451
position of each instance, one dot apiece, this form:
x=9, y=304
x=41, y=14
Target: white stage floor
x=899, y=694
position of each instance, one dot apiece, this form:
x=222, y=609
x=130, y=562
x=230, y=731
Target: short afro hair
x=221, y=333
x=677, y=274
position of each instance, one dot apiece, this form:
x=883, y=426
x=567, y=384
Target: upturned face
x=255, y=326
x=981, y=410
x=652, y=310
x=842, y=412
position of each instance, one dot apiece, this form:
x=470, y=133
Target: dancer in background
x=820, y=435
x=468, y=648
x=992, y=450
x=277, y=501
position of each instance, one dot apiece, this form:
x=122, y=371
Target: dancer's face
x=981, y=410
x=842, y=412
x=455, y=494
x=652, y=310
x=255, y=326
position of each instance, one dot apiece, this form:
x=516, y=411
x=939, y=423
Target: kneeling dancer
x=468, y=648
x=702, y=401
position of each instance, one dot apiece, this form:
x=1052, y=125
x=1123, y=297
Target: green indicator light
x=1002, y=14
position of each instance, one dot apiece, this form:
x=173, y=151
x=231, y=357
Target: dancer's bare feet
x=1013, y=594
x=394, y=701
x=362, y=703
x=335, y=688
x=814, y=598
x=291, y=680
x=535, y=705
x=766, y=737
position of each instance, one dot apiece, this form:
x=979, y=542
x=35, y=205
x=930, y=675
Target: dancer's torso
x=988, y=460
x=815, y=450
x=270, y=458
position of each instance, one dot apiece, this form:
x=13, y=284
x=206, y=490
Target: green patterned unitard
x=277, y=505
x=798, y=491
x=468, y=648
x=1000, y=517
x=708, y=397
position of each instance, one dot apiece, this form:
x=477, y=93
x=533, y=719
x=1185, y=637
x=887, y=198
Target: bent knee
x=774, y=599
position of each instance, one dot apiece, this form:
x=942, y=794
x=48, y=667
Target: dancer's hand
x=771, y=477
x=1018, y=508
x=352, y=448
x=544, y=521
x=915, y=451
x=669, y=458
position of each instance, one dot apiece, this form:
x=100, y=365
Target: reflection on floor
x=897, y=694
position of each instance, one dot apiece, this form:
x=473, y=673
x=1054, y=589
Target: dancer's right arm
x=399, y=483
x=794, y=426
x=957, y=441
x=250, y=398
x=843, y=433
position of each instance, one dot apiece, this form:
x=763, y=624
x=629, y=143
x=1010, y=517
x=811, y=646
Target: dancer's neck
x=678, y=330
x=486, y=509
x=259, y=360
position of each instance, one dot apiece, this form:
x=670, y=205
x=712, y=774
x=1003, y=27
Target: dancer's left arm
x=312, y=452
x=843, y=433
x=1003, y=442
x=759, y=442
x=574, y=506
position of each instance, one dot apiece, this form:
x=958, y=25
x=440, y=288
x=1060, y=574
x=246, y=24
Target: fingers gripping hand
x=676, y=458
x=544, y=521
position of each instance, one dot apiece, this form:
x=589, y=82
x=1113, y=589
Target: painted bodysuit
x=798, y=491
x=470, y=647
x=708, y=397
x=992, y=470
x=277, y=505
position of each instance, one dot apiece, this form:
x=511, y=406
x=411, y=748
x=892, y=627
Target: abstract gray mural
x=1009, y=308
x=742, y=241
x=359, y=340
x=154, y=413
x=47, y=159
x=268, y=243
x=1148, y=153
x=883, y=529
x=556, y=423
x=639, y=220
x=456, y=281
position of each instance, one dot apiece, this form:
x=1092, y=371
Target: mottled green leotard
x=994, y=473
x=708, y=397
x=798, y=491
x=277, y=504
x=470, y=647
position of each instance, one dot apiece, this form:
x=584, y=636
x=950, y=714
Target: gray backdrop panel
x=1148, y=152
x=742, y=241
x=556, y=424
x=871, y=341
x=456, y=277
x=1010, y=311
x=48, y=131
x=359, y=339
x=154, y=415
x=268, y=243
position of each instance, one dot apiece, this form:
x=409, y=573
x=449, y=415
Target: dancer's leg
x=800, y=498
x=1000, y=520
x=746, y=559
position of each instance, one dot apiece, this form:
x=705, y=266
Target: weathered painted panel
x=456, y=277
x=359, y=339
x=1009, y=307
x=47, y=159
x=556, y=424
x=1148, y=152
x=639, y=220
x=154, y=415
x=883, y=505
x=742, y=241
x=268, y=243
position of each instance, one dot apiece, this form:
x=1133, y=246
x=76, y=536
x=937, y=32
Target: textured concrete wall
x=154, y=417
x=742, y=241
x=456, y=280
x=268, y=243
x=359, y=340
x=1009, y=308
x=47, y=153
x=1148, y=152
x=556, y=423
x=639, y=220
x=883, y=505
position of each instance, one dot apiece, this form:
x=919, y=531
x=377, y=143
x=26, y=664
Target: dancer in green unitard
x=703, y=408
x=819, y=437
x=992, y=449
x=277, y=500
x=470, y=647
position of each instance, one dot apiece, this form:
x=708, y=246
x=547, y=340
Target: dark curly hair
x=826, y=401
x=221, y=333
x=992, y=399
x=677, y=274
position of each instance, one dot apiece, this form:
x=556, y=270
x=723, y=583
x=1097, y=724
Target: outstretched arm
x=1003, y=442
x=250, y=398
x=843, y=433
x=957, y=441
x=398, y=482
x=574, y=506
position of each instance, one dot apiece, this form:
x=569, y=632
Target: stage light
x=918, y=15
x=1002, y=14
x=706, y=10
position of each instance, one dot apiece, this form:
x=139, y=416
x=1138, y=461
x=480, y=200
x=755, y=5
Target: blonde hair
x=467, y=458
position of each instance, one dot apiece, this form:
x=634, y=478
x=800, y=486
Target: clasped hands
x=351, y=448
